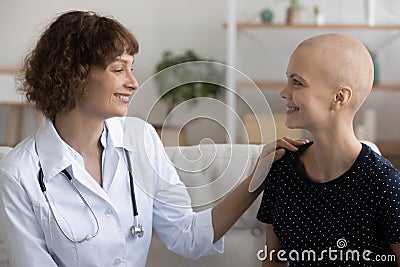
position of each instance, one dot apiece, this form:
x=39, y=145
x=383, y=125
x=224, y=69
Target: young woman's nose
x=285, y=92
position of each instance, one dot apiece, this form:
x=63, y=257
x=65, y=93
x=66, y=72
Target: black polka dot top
x=356, y=213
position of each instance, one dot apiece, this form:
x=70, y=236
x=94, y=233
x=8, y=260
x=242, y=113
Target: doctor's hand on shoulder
x=224, y=215
x=271, y=153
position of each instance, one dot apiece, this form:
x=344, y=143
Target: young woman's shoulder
x=381, y=170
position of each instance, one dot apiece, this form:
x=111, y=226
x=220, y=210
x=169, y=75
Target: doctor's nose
x=131, y=82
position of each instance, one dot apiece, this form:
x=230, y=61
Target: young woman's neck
x=333, y=152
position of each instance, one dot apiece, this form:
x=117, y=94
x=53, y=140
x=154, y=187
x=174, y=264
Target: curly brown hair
x=55, y=71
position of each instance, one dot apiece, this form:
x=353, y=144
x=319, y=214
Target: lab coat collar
x=52, y=152
x=125, y=132
x=54, y=155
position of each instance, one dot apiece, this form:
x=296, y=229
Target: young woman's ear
x=342, y=98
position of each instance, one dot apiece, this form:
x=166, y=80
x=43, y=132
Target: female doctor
x=71, y=193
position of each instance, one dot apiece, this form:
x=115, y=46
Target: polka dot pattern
x=362, y=207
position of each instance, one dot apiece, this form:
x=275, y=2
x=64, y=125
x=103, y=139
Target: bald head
x=346, y=62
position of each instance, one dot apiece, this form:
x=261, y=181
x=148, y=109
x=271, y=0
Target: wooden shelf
x=261, y=84
x=387, y=87
x=9, y=70
x=279, y=85
x=316, y=27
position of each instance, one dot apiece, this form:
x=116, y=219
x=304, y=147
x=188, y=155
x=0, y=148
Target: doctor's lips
x=123, y=97
x=291, y=109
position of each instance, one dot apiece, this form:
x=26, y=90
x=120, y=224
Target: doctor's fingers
x=289, y=143
x=285, y=143
x=279, y=153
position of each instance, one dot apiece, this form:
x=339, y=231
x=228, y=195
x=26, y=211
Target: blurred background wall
x=178, y=25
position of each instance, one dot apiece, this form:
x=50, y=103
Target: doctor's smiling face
x=81, y=61
x=109, y=89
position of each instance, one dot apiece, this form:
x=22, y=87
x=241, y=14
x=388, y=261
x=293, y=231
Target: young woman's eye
x=118, y=70
x=296, y=82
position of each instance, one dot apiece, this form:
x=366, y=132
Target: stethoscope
x=137, y=229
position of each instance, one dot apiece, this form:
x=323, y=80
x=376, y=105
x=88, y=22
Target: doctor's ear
x=342, y=97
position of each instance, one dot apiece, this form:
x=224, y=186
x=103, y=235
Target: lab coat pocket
x=65, y=222
x=59, y=247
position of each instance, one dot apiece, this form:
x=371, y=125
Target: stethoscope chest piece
x=137, y=231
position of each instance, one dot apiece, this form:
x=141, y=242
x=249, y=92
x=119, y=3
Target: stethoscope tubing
x=137, y=229
x=131, y=183
x=69, y=177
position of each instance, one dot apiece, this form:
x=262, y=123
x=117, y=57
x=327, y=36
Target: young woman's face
x=109, y=90
x=307, y=94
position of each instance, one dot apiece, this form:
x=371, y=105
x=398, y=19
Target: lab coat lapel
x=128, y=133
x=86, y=180
x=111, y=166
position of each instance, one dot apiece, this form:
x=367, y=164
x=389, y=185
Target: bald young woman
x=333, y=202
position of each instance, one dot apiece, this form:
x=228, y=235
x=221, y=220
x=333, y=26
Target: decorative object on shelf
x=294, y=13
x=266, y=16
x=175, y=95
x=319, y=18
x=370, y=7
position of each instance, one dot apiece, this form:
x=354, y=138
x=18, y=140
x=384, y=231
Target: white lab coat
x=31, y=235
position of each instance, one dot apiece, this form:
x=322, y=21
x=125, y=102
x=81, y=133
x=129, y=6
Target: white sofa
x=210, y=171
